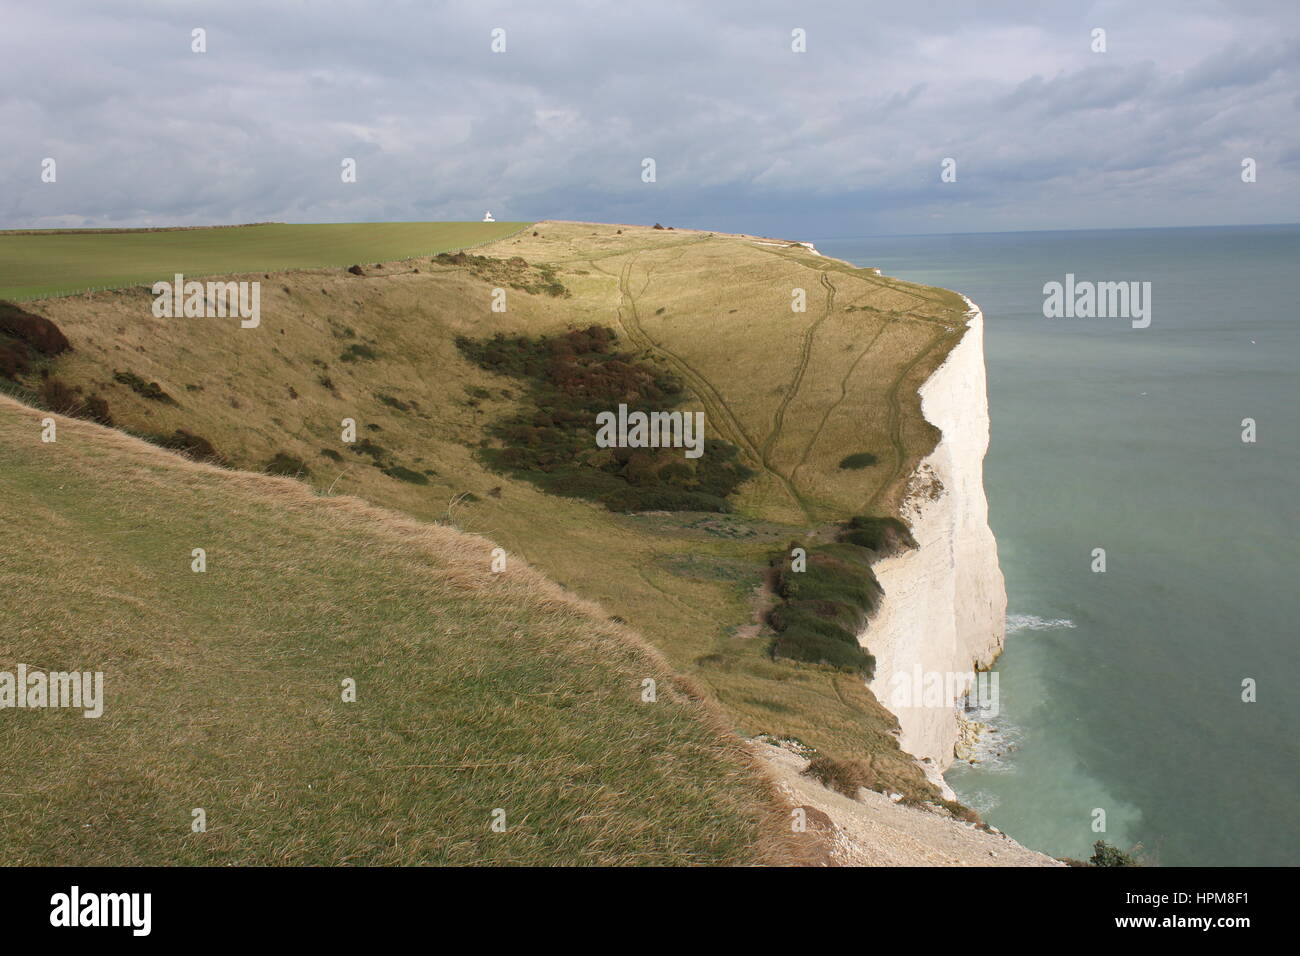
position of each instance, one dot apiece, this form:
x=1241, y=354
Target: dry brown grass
x=844, y=776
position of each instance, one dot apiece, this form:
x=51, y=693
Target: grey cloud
x=844, y=139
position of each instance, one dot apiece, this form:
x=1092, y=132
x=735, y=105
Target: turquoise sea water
x=1122, y=690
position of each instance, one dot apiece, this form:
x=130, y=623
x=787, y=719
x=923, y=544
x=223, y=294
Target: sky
x=847, y=138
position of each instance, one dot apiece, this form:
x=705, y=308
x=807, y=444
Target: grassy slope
x=475, y=691
x=797, y=392
x=34, y=264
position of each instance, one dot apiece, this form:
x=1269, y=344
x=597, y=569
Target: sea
x=1142, y=486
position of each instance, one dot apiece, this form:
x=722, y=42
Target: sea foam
x=1031, y=622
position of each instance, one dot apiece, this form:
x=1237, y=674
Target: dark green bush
x=195, y=446
x=367, y=447
x=357, y=351
x=830, y=578
x=150, y=390
x=1103, y=854
x=405, y=474
x=838, y=621
x=882, y=535
x=815, y=649
x=551, y=441
x=824, y=607
x=59, y=397
x=863, y=459
x=288, y=465
x=14, y=358
x=36, y=331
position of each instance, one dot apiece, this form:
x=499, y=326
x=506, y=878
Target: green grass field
x=222, y=689
x=38, y=264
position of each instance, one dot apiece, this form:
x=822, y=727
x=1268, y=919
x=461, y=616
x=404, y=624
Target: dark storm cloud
x=845, y=139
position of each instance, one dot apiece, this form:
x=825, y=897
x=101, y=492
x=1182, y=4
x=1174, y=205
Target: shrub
x=550, y=441
x=842, y=776
x=60, y=398
x=38, y=332
x=194, y=446
x=1103, y=854
x=817, y=819
x=831, y=578
x=405, y=474
x=839, y=622
x=367, y=447
x=882, y=535
x=150, y=390
x=807, y=647
x=357, y=351
x=824, y=607
x=963, y=813
x=14, y=359
x=862, y=459
x=96, y=410
x=287, y=465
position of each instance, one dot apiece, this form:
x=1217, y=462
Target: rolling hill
x=792, y=393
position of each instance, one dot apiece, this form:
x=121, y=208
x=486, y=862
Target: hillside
x=795, y=393
x=222, y=689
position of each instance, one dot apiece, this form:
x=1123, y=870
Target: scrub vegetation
x=573, y=377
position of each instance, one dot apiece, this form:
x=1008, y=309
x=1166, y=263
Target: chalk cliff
x=944, y=608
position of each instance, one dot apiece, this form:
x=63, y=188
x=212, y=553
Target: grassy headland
x=792, y=391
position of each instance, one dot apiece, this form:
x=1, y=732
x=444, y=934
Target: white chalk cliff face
x=944, y=609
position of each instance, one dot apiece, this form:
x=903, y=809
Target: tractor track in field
x=716, y=406
x=844, y=392
x=805, y=354
x=893, y=398
x=591, y=257
x=729, y=425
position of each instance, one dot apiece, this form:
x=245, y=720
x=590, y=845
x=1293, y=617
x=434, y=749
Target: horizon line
x=1010, y=232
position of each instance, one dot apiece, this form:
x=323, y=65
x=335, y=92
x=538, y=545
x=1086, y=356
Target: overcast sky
x=845, y=139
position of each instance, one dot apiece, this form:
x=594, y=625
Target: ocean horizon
x=1122, y=690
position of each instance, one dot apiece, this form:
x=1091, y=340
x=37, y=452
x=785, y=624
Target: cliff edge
x=944, y=610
